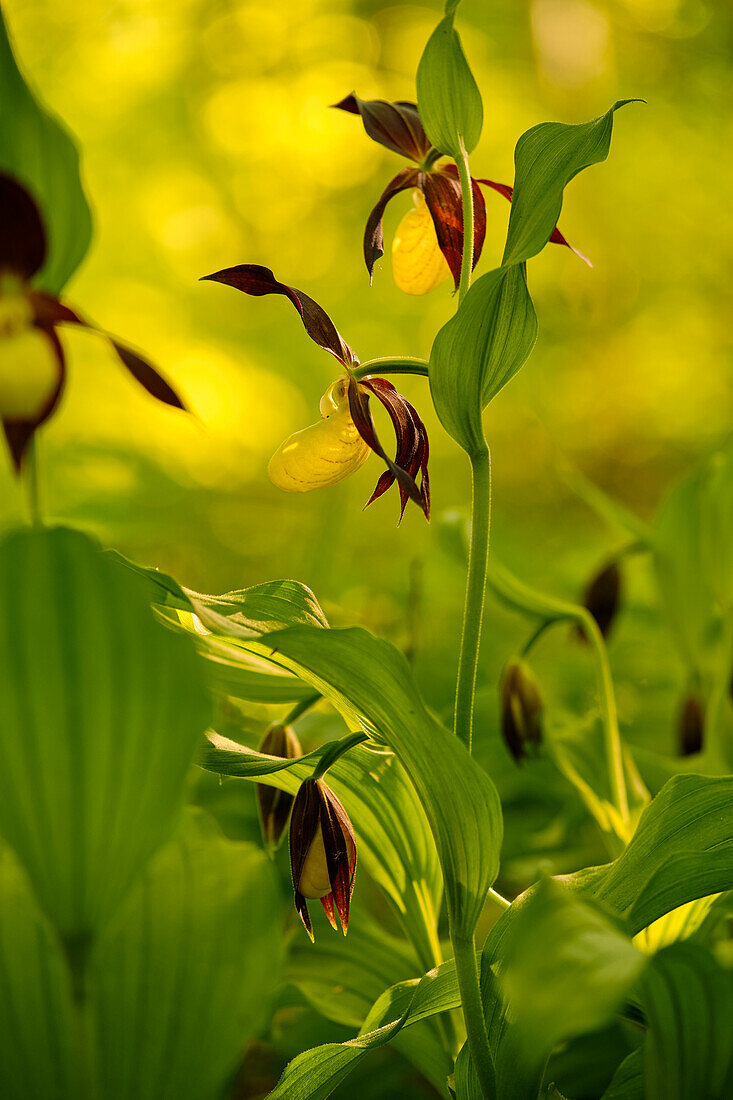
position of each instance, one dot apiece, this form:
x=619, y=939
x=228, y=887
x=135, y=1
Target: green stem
x=499, y=899
x=391, y=365
x=31, y=472
x=611, y=735
x=467, y=201
x=464, y=953
x=478, y=558
x=337, y=749
x=300, y=708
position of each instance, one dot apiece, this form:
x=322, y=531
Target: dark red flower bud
x=322, y=853
x=691, y=726
x=275, y=805
x=521, y=710
x=603, y=595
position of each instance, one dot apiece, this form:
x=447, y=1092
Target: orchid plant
x=139, y=947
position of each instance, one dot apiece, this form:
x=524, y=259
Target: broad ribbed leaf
x=101, y=709
x=448, y=98
x=39, y=152
x=314, y=1074
x=394, y=840
x=546, y=159
x=369, y=678
x=479, y=350
x=183, y=976
x=628, y=1080
x=687, y=997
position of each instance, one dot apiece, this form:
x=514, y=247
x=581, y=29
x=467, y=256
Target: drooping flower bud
x=602, y=597
x=521, y=710
x=691, y=726
x=275, y=805
x=418, y=264
x=322, y=853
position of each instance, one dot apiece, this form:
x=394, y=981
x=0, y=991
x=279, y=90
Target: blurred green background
x=208, y=141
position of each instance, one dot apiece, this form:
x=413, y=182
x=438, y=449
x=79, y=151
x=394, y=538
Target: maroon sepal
x=256, y=280
x=20, y=432
x=275, y=805
x=22, y=236
x=374, y=233
x=396, y=126
x=412, y=442
x=442, y=191
x=49, y=311
x=556, y=237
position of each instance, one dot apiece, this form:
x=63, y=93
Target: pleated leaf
x=38, y=151
x=368, y=678
x=101, y=709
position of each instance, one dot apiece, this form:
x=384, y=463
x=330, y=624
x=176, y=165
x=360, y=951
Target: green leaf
x=368, y=678
x=566, y=968
x=448, y=98
x=393, y=836
x=628, y=1080
x=182, y=978
x=546, y=159
x=688, y=1001
x=479, y=350
x=314, y=1074
x=101, y=710
x=37, y=149
x=693, y=553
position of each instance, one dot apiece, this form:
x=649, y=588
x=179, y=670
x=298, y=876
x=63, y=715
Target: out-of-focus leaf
x=466, y=1082
x=448, y=98
x=394, y=839
x=628, y=1081
x=687, y=998
x=369, y=679
x=314, y=1074
x=479, y=350
x=182, y=978
x=37, y=149
x=565, y=969
x=36, y=1012
x=693, y=553
x=342, y=977
x=546, y=159
x=101, y=709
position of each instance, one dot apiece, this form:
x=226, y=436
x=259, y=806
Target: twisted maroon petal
x=397, y=126
x=49, y=311
x=22, y=236
x=556, y=237
x=374, y=234
x=442, y=191
x=258, y=281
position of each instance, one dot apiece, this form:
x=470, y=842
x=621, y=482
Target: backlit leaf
x=448, y=98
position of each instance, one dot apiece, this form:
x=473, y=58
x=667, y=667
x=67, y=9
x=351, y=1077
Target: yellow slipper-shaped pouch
x=418, y=264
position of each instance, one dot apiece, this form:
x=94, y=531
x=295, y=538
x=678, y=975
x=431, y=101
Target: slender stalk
x=337, y=749
x=499, y=899
x=301, y=707
x=464, y=953
x=611, y=735
x=31, y=474
x=467, y=201
x=391, y=365
x=478, y=558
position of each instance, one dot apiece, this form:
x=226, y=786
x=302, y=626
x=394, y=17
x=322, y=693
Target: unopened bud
x=691, y=726
x=322, y=853
x=602, y=597
x=521, y=710
x=275, y=805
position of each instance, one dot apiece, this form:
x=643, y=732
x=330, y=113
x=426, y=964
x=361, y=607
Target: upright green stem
x=611, y=735
x=467, y=201
x=464, y=953
x=478, y=558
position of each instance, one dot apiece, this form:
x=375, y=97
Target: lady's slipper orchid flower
x=32, y=365
x=428, y=244
x=275, y=805
x=340, y=442
x=322, y=854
